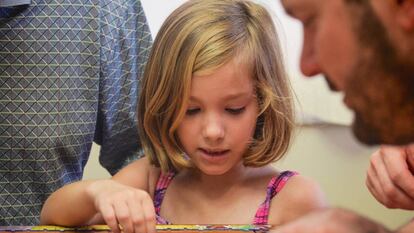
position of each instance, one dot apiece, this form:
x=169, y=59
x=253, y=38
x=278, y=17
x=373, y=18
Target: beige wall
x=330, y=155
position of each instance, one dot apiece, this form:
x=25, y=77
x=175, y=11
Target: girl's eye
x=192, y=111
x=235, y=111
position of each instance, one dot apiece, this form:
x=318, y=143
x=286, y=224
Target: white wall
x=326, y=152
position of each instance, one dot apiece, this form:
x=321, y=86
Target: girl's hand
x=123, y=207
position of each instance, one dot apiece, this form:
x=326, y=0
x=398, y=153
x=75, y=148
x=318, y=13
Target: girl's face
x=220, y=120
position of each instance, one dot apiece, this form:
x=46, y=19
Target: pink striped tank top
x=261, y=217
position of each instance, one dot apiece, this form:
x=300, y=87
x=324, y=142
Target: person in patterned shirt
x=69, y=73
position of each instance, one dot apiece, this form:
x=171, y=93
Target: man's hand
x=332, y=221
x=390, y=176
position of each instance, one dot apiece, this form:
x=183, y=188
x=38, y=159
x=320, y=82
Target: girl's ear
x=405, y=14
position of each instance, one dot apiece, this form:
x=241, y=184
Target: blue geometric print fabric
x=4, y=3
x=69, y=72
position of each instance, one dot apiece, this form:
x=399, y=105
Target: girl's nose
x=213, y=129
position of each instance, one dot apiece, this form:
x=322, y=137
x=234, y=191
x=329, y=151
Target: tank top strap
x=163, y=181
x=275, y=185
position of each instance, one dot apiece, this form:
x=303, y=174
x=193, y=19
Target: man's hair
x=199, y=37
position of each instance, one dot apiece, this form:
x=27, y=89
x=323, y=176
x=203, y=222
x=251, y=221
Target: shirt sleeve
x=125, y=43
x=10, y=3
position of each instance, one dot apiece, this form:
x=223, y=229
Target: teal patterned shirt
x=69, y=72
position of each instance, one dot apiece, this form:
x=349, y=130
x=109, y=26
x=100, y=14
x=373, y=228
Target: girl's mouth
x=214, y=152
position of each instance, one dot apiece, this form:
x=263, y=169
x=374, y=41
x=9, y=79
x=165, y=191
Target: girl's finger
x=108, y=214
x=124, y=217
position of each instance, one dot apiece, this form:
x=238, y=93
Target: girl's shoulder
x=300, y=189
x=139, y=174
x=299, y=196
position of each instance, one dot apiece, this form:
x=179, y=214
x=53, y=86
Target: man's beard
x=383, y=104
x=381, y=85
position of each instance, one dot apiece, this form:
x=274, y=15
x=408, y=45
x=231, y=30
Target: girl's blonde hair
x=200, y=36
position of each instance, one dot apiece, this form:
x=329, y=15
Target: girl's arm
x=63, y=206
x=122, y=200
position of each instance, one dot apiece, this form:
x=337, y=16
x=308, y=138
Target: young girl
x=215, y=111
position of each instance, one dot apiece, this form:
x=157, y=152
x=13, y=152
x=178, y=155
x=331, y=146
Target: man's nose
x=309, y=63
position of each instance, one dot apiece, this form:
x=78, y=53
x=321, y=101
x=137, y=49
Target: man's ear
x=405, y=14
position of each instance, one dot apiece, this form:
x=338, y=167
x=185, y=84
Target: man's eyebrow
x=295, y=9
x=288, y=11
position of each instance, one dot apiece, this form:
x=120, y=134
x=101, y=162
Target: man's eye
x=192, y=111
x=235, y=111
